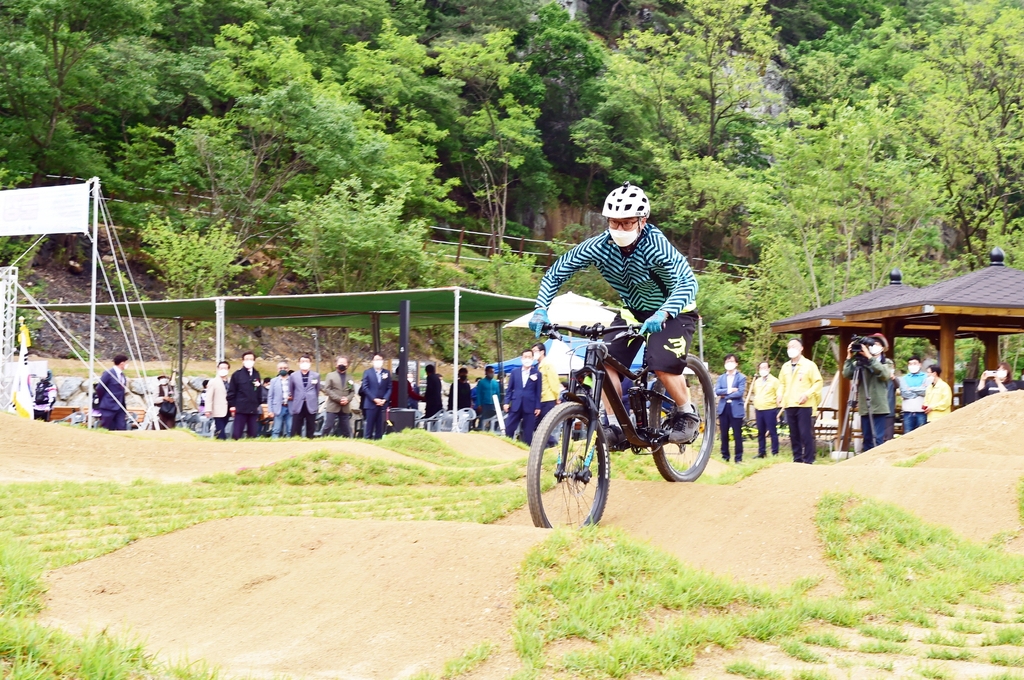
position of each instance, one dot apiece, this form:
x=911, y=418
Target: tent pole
x=700, y=336
x=375, y=330
x=455, y=358
x=501, y=362
x=219, y=304
x=181, y=363
x=92, y=302
x=403, y=353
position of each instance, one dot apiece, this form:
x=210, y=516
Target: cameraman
x=874, y=374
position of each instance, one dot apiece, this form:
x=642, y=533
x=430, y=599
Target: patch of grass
x=937, y=638
x=968, y=627
x=636, y=468
x=881, y=647
x=884, y=633
x=946, y=654
x=825, y=640
x=468, y=661
x=921, y=457
x=603, y=586
x=933, y=673
x=741, y=471
x=1012, y=635
x=1001, y=658
x=885, y=665
x=991, y=617
x=811, y=674
x=799, y=650
x=900, y=564
x=66, y=522
x=749, y=669
x=424, y=446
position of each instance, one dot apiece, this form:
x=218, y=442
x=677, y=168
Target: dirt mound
x=475, y=445
x=304, y=596
x=993, y=426
x=762, y=529
x=37, y=451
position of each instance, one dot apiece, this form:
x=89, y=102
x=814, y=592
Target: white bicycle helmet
x=627, y=201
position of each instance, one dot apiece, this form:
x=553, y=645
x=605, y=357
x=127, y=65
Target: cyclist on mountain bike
x=657, y=287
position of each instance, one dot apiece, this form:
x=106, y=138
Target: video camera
x=858, y=343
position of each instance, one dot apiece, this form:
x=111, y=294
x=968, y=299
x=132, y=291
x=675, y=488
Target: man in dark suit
x=111, y=392
x=374, y=393
x=731, y=389
x=433, y=392
x=522, y=398
x=304, y=391
x=244, y=398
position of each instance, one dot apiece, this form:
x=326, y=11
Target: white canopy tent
x=571, y=309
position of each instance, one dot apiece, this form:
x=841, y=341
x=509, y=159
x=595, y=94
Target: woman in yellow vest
x=938, y=398
x=764, y=391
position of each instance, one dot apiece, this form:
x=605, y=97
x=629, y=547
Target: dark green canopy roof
x=429, y=307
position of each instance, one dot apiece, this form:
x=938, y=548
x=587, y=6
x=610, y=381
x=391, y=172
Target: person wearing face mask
x=994, y=382
x=731, y=387
x=658, y=290
x=800, y=386
x=938, y=398
x=912, y=389
x=522, y=399
x=338, y=407
x=244, y=398
x=304, y=387
x=217, y=400
x=166, y=408
x=873, y=374
x=374, y=393
x=764, y=391
x=278, y=397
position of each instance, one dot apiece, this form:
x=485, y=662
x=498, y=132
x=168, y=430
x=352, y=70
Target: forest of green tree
x=796, y=151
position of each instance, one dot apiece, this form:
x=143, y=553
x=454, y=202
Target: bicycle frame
x=645, y=435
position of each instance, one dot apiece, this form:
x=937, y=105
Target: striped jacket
x=655, y=276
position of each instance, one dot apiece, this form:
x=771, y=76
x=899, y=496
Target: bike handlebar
x=593, y=332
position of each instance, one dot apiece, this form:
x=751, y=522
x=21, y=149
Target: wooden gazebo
x=985, y=304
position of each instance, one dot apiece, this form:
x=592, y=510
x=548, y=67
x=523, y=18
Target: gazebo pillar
x=889, y=330
x=947, y=348
x=991, y=341
x=845, y=337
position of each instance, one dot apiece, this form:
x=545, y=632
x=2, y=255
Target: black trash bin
x=402, y=419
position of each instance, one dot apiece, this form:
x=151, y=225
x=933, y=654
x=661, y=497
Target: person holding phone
x=993, y=382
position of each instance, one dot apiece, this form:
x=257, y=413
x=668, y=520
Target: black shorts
x=666, y=349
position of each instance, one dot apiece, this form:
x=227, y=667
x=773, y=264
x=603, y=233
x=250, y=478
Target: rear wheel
x=686, y=462
x=567, y=480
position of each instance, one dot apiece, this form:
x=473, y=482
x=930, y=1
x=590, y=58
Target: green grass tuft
x=933, y=673
x=1001, y=658
x=921, y=457
x=825, y=640
x=799, y=650
x=946, y=654
x=1012, y=635
x=424, y=446
x=811, y=674
x=937, y=638
x=881, y=647
x=968, y=627
x=749, y=669
x=884, y=633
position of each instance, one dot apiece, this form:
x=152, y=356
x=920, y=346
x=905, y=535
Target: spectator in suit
x=731, y=388
x=244, y=398
x=463, y=389
x=217, y=400
x=278, y=397
x=112, y=388
x=522, y=399
x=304, y=387
x=338, y=407
x=374, y=392
x=433, y=392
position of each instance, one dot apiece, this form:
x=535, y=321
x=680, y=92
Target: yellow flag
x=23, y=336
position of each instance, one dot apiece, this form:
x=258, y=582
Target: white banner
x=46, y=210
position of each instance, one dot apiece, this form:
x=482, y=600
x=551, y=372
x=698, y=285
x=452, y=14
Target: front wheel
x=567, y=479
x=685, y=463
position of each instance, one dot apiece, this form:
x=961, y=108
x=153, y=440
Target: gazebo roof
x=834, y=314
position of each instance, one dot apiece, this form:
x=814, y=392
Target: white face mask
x=764, y=372
x=624, y=239
x=793, y=352
x=304, y=365
x=1001, y=374
x=222, y=372
x=527, y=363
x=163, y=382
x=875, y=350
x=248, y=363
x=730, y=366
x=914, y=368
x=378, y=364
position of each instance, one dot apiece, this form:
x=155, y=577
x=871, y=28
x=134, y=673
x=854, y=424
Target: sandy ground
x=35, y=451
x=311, y=597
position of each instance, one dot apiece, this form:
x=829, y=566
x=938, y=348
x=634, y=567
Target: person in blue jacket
x=731, y=388
x=374, y=395
x=111, y=391
x=522, y=399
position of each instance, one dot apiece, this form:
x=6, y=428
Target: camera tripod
x=851, y=404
